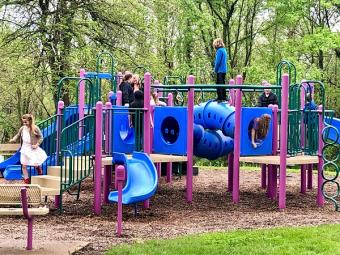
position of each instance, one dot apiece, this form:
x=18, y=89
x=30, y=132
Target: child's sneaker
x=27, y=181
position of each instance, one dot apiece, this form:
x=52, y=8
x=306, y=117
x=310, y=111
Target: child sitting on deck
x=258, y=129
x=155, y=100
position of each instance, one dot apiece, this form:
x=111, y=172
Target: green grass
x=281, y=241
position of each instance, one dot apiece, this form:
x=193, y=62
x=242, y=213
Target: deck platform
x=275, y=160
x=156, y=158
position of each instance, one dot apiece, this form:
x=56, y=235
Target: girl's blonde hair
x=218, y=43
x=263, y=126
x=30, y=119
x=136, y=77
x=155, y=97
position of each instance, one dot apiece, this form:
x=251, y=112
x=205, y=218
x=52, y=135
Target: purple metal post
x=264, y=167
x=118, y=103
x=237, y=141
x=320, y=198
x=230, y=171
x=28, y=217
x=58, y=142
x=81, y=100
x=232, y=93
x=273, y=168
x=147, y=121
x=120, y=176
x=98, y=158
x=231, y=155
x=310, y=176
x=264, y=176
x=119, y=98
x=190, y=138
x=107, y=169
x=303, y=132
x=283, y=140
x=169, y=164
x=107, y=133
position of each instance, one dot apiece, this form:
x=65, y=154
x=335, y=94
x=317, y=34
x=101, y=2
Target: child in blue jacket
x=220, y=67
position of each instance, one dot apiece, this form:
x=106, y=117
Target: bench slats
x=10, y=194
x=19, y=211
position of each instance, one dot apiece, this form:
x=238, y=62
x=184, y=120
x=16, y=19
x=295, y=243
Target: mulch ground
x=170, y=216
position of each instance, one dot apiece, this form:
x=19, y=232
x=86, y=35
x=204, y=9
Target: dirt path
x=170, y=215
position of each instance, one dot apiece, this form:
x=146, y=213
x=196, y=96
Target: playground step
x=46, y=181
x=49, y=191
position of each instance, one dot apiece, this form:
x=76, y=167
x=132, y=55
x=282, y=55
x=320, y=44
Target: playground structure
x=94, y=137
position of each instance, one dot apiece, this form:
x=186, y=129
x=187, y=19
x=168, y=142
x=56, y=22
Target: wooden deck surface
x=156, y=158
x=275, y=160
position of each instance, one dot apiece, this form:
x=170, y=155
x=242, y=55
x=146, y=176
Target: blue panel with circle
x=263, y=138
x=123, y=135
x=170, y=130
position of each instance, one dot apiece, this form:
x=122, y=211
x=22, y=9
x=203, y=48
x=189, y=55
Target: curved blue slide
x=141, y=180
x=333, y=135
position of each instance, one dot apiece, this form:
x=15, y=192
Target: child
x=155, y=100
x=136, y=82
x=30, y=138
x=267, y=97
x=138, y=102
x=310, y=105
x=127, y=90
x=259, y=128
x=220, y=67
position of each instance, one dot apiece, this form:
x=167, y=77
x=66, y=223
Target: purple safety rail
x=98, y=158
x=28, y=217
x=237, y=142
x=283, y=140
x=81, y=96
x=147, y=121
x=320, y=199
x=58, y=142
x=190, y=138
x=120, y=176
x=231, y=155
x=108, y=139
x=169, y=164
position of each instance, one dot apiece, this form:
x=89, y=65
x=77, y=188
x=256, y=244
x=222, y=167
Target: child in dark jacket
x=138, y=102
x=267, y=97
x=127, y=89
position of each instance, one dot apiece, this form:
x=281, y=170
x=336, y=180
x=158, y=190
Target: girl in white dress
x=30, y=138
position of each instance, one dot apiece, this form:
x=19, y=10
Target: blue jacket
x=221, y=59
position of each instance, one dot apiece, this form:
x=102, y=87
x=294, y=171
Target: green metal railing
x=77, y=148
x=331, y=167
x=178, y=95
x=91, y=93
x=101, y=57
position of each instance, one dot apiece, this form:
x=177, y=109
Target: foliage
x=42, y=41
x=302, y=240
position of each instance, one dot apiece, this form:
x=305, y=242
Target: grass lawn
x=302, y=240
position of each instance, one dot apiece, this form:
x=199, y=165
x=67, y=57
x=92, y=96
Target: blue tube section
x=213, y=129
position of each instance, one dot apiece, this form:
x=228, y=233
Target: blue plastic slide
x=333, y=135
x=141, y=178
x=13, y=160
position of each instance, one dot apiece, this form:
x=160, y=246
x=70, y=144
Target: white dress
x=30, y=156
